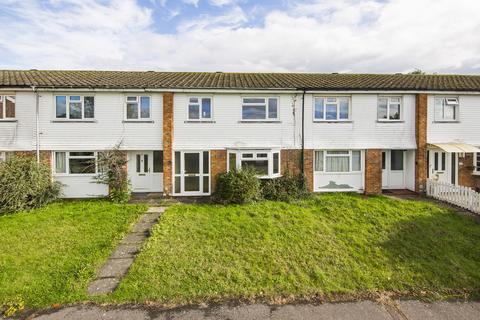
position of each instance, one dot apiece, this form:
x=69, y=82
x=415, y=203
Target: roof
x=230, y=80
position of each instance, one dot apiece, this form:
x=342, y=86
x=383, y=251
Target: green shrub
x=113, y=165
x=286, y=188
x=238, y=186
x=26, y=184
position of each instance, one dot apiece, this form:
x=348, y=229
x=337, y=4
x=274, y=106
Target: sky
x=354, y=36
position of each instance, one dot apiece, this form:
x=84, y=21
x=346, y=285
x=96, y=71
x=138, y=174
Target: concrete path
x=122, y=258
x=365, y=310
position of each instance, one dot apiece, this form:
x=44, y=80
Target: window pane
x=132, y=99
x=61, y=106
x=193, y=100
x=331, y=112
x=444, y=160
x=449, y=112
x=435, y=161
x=157, y=161
x=478, y=161
x=145, y=163
x=75, y=98
x=132, y=110
x=75, y=110
x=206, y=184
x=232, y=161
x=177, y=162
x=319, y=108
x=396, y=161
x=272, y=108
x=394, y=111
x=253, y=112
x=439, y=108
x=262, y=155
x=259, y=166
x=60, y=162
x=192, y=163
x=343, y=108
x=193, y=111
x=178, y=184
x=276, y=164
x=356, y=161
x=247, y=155
x=205, y=162
x=145, y=107
x=382, y=108
x=82, y=166
x=82, y=154
x=384, y=161
x=9, y=107
x=254, y=100
x=206, y=108
x=318, y=160
x=192, y=183
x=88, y=106
x=337, y=164
x=139, y=163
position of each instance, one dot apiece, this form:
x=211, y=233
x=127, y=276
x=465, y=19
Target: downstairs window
x=75, y=163
x=265, y=163
x=338, y=161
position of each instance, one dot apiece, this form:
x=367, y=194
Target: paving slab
x=115, y=268
x=134, y=238
x=417, y=310
x=156, y=210
x=102, y=285
x=126, y=251
x=95, y=313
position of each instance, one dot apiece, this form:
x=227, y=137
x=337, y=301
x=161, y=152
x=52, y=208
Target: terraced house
x=346, y=132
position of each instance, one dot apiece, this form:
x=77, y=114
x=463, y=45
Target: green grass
x=49, y=255
x=329, y=246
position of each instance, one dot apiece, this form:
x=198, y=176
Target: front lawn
x=49, y=255
x=334, y=245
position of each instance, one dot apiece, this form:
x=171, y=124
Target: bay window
x=259, y=109
x=74, y=107
x=389, y=108
x=7, y=107
x=75, y=163
x=199, y=108
x=331, y=108
x=446, y=109
x=338, y=161
x=138, y=108
x=266, y=164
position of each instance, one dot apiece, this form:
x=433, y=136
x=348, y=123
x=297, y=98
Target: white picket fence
x=463, y=197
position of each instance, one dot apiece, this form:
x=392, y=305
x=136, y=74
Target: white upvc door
x=144, y=173
x=443, y=166
x=192, y=173
x=393, y=169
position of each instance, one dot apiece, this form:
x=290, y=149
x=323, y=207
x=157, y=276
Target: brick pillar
x=308, y=167
x=167, y=142
x=373, y=171
x=465, y=172
x=290, y=161
x=421, y=113
x=46, y=157
x=218, y=162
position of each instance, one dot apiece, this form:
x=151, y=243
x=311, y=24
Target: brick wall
x=465, y=172
x=421, y=139
x=167, y=142
x=291, y=161
x=218, y=162
x=373, y=171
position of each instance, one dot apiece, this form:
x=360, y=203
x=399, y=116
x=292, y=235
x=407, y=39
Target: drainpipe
x=303, y=132
x=37, y=124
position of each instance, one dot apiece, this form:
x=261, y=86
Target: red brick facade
x=373, y=171
x=421, y=162
x=218, y=162
x=465, y=172
x=167, y=142
x=291, y=162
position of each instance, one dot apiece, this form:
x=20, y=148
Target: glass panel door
x=191, y=171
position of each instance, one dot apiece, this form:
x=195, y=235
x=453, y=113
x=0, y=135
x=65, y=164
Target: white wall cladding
x=465, y=130
x=364, y=131
x=81, y=187
x=20, y=135
x=107, y=130
x=227, y=131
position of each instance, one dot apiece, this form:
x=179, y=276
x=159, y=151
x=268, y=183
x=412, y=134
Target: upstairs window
x=265, y=163
x=331, y=109
x=199, y=108
x=7, y=107
x=74, y=107
x=76, y=163
x=138, y=108
x=338, y=161
x=446, y=109
x=255, y=109
x=389, y=108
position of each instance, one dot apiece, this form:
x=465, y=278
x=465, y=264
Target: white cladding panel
x=363, y=131
x=81, y=187
x=465, y=130
x=20, y=135
x=108, y=129
x=227, y=130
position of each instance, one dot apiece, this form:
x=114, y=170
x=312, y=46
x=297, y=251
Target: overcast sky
x=375, y=36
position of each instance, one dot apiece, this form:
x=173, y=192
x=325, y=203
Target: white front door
x=443, y=166
x=145, y=169
x=192, y=173
x=393, y=169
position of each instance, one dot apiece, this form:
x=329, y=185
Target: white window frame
x=67, y=106
x=476, y=163
x=447, y=101
x=139, y=112
x=3, y=101
x=350, y=164
x=255, y=156
x=3, y=156
x=200, y=110
x=389, y=103
x=337, y=103
x=258, y=104
x=441, y=161
x=67, y=164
